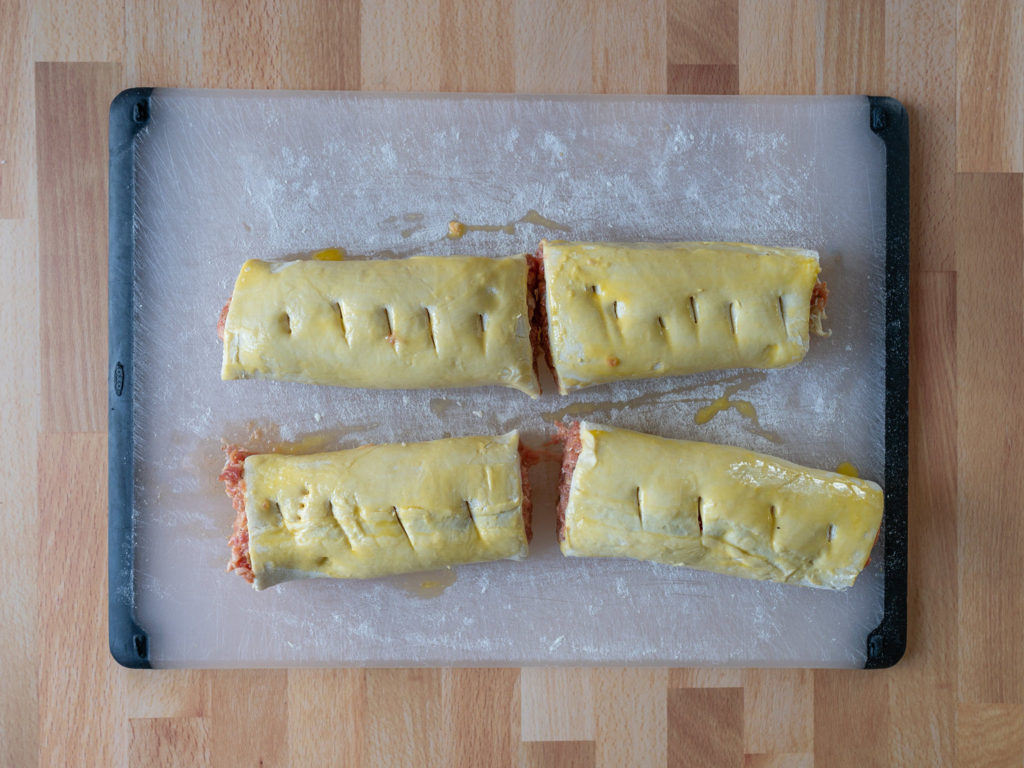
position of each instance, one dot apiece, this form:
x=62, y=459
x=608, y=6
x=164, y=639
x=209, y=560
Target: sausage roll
x=713, y=507
x=632, y=311
x=377, y=510
x=425, y=321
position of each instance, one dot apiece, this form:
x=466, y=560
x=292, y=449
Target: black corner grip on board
x=887, y=643
x=129, y=644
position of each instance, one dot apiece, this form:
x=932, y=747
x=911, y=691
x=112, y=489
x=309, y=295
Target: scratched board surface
x=225, y=176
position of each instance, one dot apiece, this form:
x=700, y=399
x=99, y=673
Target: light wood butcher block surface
x=957, y=698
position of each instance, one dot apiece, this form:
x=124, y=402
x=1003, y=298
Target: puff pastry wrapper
x=378, y=510
x=425, y=321
x=714, y=507
x=642, y=310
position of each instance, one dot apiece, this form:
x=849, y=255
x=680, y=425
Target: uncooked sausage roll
x=642, y=310
x=713, y=507
x=425, y=321
x=378, y=509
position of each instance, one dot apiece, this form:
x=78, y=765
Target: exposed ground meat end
x=819, y=298
x=223, y=319
x=534, y=275
x=527, y=458
x=539, y=311
x=233, y=477
x=569, y=436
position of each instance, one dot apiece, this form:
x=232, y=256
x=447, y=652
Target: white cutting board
x=225, y=176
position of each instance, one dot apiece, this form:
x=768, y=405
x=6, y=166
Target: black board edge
x=887, y=643
x=129, y=643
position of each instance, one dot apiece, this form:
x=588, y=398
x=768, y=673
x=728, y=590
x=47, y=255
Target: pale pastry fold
x=378, y=509
x=713, y=507
x=642, y=310
x=421, y=322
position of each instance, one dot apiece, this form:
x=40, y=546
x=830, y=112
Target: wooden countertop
x=957, y=697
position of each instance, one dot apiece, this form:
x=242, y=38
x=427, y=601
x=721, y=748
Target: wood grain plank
x=990, y=735
x=630, y=717
x=473, y=54
x=989, y=360
x=557, y=754
x=233, y=58
x=854, y=47
x=19, y=416
x=628, y=49
x=482, y=707
x=923, y=732
x=780, y=760
x=164, y=43
x=318, y=696
x=705, y=677
x=704, y=79
x=248, y=718
x=990, y=86
x=702, y=32
x=320, y=45
x=920, y=64
x=557, y=704
x=775, y=50
x=75, y=670
x=71, y=129
x=778, y=710
x=169, y=742
x=851, y=719
x=16, y=171
x=965, y=416
x=399, y=43
x=167, y=694
x=85, y=31
x=705, y=727
x=405, y=722
x=552, y=48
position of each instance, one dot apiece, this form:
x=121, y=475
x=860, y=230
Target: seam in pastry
x=472, y=518
x=289, y=521
x=732, y=317
x=759, y=558
x=663, y=331
x=337, y=521
x=430, y=329
x=357, y=517
x=340, y=309
x=401, y=524
x=391, y=328
x=483, y=331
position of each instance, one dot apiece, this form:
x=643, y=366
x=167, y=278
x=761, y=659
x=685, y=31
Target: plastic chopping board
x=202, y=180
